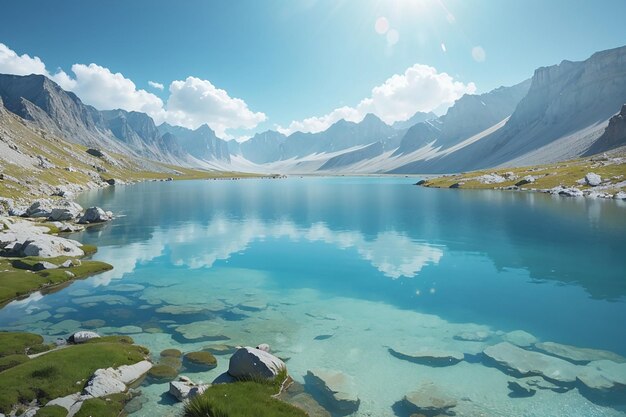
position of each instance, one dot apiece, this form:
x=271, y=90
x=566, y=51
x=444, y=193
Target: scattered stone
x=251, y=363
x=492, y=178
x=337, y=389
x=201, y=360
x=567, y=192
x=526, y=363
x=620, y=195
x=519, y=338
x=429, y=399
x=82, y=336
x=430, y=357
x=577, y=354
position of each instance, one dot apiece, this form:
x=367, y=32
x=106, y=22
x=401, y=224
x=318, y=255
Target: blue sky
x=291, y=60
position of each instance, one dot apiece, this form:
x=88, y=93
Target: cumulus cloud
x=193, y=102
x=12, y=63
x=420, y=88
x=156, y=85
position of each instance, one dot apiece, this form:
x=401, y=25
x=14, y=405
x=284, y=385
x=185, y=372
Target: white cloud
x=193, y=102
x=156, y=85
x=479, y=54
x=12, y=63
x=420, y=88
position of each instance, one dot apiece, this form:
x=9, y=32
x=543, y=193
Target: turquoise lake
x=333, y=272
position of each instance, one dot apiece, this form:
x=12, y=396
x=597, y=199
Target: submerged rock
x=251, y=363
x=527, y=363
x=296, y=396
x=603, y=375
x=519, y=338
x=431, y=357
x=184, y=388
x=578, y=354
x=477, y=336
x=337, y=388
x=203, y=360
x=526, y=387
x=429, y=399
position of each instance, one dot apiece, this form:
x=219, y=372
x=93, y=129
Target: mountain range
x=561, y=112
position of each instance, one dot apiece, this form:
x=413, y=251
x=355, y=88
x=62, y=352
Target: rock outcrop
x=337, y=389
x=252, y=363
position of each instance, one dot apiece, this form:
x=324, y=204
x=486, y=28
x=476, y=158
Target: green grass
x=10, y=361
x=17, y=282
x=110, y=406
x=17, y=343
x=240, y=399
x=62, y=372
x=52, y=411
x=112, y=339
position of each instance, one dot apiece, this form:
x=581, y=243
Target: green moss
x=56, y=374
x=110, y=406
x=162, y=373
x=89, y=249
x=204, y=360
x=17, y=343
x=10, y=361
x=112, y=339
x=240, y=399
x=19, y=280
x=51, y=411
x=171, y=353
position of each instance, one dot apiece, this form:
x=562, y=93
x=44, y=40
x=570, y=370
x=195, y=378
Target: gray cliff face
x=201, y=143
x=469, y=115
x=614, y=135
x=418, y=117
x=564, y=102
x=263, y=147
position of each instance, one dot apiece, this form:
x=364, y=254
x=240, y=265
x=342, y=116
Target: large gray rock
x=337, y=388
x=430, y=399
x=67, y=210
x=40, y=208
x=526, y=363
x=48, y=246
x=95, y=215
x=42, y=266
x=592, y=179
x=249, y=362
x=82, y=336
x=429, y=356
x=578, y=354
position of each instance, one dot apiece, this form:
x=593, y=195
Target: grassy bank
x=546, y=176
x=17, y=279
x=60, y=372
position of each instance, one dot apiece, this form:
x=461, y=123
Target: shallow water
x=365, y=263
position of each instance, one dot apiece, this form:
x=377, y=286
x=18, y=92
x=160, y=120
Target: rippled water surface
x=333, y=272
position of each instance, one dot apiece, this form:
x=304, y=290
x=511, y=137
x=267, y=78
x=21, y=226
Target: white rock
x=249, y=362
x=83, y=336
x=593, y=179
x=67, y=210
x=620, y=195
x=47, y=246
x=112, y=381
x=338, y=388
x=430, y=399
